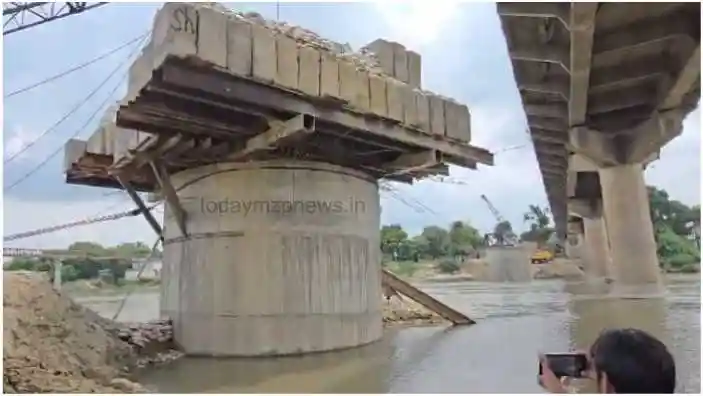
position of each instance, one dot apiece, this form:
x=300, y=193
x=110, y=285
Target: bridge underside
x=604, y=86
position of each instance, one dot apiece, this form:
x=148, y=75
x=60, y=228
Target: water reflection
x=498, y=355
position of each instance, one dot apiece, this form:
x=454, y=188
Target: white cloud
x=416, y=23
x=18, y=141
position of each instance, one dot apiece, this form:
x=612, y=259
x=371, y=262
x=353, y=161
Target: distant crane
x=19, y=16
x=503, y=234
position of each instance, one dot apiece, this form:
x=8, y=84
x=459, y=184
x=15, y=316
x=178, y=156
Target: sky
x=464, y=56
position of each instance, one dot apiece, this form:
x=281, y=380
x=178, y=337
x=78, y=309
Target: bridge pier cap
x=281, y=258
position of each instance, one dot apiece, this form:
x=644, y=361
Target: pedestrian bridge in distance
x=604, y=86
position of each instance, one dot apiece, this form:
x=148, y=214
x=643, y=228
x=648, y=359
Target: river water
x=497, y=355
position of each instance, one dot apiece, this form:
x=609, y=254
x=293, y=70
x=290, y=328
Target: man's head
x=632, y=361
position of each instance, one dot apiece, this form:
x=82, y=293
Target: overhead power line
x=79, y=130
x=75, y=108
x=73, y=69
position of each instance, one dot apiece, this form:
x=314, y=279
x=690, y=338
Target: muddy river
x=498, y=355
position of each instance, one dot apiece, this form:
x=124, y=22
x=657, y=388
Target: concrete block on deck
x=264, y=53
x=176, y=29
x=457, y=121
x=422, y=103
x=239, y=47
x=212, y=36
x=437, y=120
x=395, y=100
x=362, y=99
x=409, y=105
x=74, y=149
x=329, y=75
x=384, y=54
x=96, y=142
x=400, y=62
x=309, y=71
x=414, y=69
x=379, y=98
x=286, y=62
x=347, y=81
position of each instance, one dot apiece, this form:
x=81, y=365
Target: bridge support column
x=629, y=227
x=597, y=257
x=280, y=258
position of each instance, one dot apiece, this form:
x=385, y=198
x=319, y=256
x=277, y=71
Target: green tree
x=437, y=241
x=503, y=232
x=676, y=229
x=540, y=225
x=463, y=239
x=392, y=237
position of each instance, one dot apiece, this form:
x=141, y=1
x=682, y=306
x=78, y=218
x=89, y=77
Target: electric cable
x=73, y=69
x=74, y=109
x=78, y=131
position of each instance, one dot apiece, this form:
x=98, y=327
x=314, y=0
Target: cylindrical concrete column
x=280, y=258
x=596, y=258
x=635, y=265
x=508, y=264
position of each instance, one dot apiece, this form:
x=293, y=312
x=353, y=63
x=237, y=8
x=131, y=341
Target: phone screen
x=566, y=364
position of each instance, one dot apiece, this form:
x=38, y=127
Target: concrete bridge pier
x=280, y=257
x=591, y=229
x=632, y=245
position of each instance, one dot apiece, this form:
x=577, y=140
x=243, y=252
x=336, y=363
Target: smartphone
x=566, y=364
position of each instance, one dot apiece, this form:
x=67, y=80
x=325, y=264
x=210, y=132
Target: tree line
x=89, y=260
x=676, y=227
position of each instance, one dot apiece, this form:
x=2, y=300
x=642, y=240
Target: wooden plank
x=278, y=133
x=271, y=97
x=417, y=295
x=170, y=194
x=142, y=207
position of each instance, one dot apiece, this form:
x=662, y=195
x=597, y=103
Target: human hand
x=547, y=379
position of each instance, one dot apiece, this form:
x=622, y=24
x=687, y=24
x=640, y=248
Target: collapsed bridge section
x=229, y=108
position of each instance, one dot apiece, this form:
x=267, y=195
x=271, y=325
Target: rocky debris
x=406, y=312
x=52, y=344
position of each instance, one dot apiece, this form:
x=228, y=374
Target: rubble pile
x=52, y=344
x=398, y=311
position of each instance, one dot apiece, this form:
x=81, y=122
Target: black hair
x=634, y=362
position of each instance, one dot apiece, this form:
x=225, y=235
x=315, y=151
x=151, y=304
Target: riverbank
x=54, y=344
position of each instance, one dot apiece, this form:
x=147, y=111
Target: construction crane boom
x=19, y=16
x=507, y=236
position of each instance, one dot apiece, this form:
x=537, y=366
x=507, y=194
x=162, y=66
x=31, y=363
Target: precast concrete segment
x=508, y=264
x=596, y=263
x=281, y=258
x=633, y=250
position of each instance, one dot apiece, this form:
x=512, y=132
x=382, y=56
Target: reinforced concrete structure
x=604, y=87
x=508, y=264
x=267, y=143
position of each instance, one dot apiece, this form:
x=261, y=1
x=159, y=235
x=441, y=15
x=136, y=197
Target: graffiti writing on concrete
x=185, y=19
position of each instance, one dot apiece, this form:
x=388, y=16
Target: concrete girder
x=542, y=135
x=629, y=73
x=551, y=148
x=411, y=162
x=620, y=99
x=546, y=54
x=547, y=158
x=555, y=87
x=554, y=110
x=583, y=17
x=636, y=145
x=689, y=74
x=559, y=11
x=548, y=124
x=609, y=44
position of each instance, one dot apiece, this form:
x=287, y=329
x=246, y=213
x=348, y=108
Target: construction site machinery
x=502, y=234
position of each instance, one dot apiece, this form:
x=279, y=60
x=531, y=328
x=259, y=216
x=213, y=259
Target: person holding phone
x=620, y=361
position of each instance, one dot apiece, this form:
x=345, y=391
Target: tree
x=392, y=237
x=676, y=229
x=437, y=241
x=502, y=232
x=540, y=230
x=448, y=266
x=463, y=239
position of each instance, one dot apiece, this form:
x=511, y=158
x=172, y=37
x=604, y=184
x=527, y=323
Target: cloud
x=17, y=142
x=416, y=23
